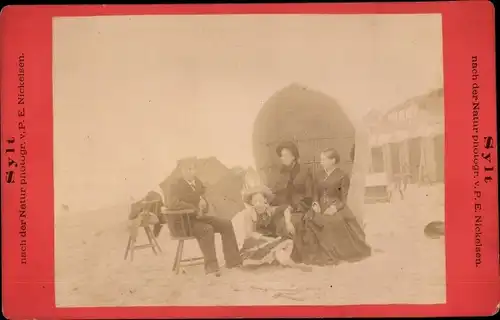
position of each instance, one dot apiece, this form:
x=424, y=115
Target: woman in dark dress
x=338, y=233
x=294, y=195
x=292, y=188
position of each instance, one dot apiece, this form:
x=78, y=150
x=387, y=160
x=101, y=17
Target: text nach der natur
x=483, y=167
x=16, y=153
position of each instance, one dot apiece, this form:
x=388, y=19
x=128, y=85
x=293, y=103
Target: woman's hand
x=290, y=228
x=287, y=214
x=288, y=221
x=331, y=210
x=316, y=208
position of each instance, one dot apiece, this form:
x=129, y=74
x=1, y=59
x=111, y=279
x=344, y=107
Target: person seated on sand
x=264, y=237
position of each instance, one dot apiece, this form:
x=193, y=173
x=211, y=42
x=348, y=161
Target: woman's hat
x=289, y=145
x=265, y=191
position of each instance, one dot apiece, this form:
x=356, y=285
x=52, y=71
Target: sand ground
x=406, y=267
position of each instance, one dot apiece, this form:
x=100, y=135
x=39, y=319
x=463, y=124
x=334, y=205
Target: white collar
x=329, y=173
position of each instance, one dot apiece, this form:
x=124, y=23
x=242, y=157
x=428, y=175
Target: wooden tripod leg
x=132, y=249
x=150, y=239
x=155, y=241
x=157, y=244
x=128, y=248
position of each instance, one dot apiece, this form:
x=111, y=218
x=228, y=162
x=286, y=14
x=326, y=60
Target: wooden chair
x=180, y=223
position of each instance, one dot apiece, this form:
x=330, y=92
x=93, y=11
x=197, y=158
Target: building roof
x=432, y=102
x=428, y=121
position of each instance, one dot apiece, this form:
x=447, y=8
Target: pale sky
x=132, y=94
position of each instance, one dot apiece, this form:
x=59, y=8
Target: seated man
x=188, y=193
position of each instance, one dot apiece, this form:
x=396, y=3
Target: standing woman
x=341, y=235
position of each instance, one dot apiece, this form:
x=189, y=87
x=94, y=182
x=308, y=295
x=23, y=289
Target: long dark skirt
x=329, y=240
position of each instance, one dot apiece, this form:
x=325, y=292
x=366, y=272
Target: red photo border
x=468, y=30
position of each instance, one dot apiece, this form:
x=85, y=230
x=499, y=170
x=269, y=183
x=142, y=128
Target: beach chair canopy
x=313, y=120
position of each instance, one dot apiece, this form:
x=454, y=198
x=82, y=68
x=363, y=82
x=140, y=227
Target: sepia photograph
x=246, y=160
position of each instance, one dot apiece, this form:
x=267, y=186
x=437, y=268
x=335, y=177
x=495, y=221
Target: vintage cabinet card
x=279, y=160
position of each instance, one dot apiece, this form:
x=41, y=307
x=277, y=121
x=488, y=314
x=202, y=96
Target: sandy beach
x=405, y=268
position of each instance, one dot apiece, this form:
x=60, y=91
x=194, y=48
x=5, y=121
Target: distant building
x=409, y=139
